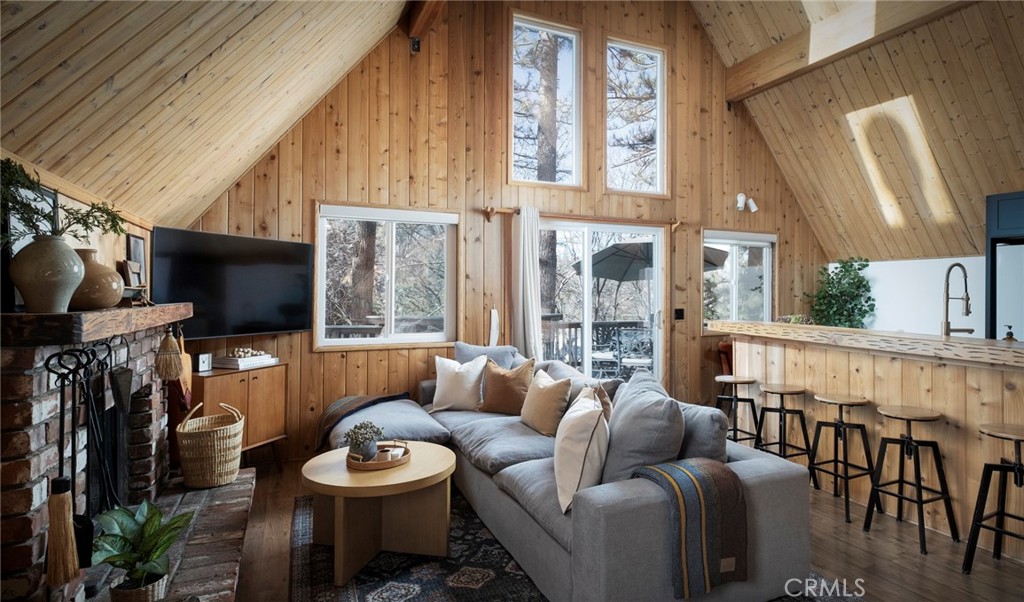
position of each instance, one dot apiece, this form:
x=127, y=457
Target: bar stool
x=910, y=448
x=840, y=430
x=1008, y=432
x=734, y=402
x=782, y=391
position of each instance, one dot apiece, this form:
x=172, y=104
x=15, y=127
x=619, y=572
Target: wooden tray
x=353, y=461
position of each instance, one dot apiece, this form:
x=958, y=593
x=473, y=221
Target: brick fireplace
x=135, y=441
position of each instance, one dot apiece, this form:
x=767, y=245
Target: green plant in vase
x=138, y=542
x=362, y=440
x=47, y=271
x=844, y=296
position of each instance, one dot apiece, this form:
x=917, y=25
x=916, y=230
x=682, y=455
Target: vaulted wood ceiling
x=892, y=150
x=160, y=106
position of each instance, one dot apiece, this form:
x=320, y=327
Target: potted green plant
x=844, y=296
x=138, y=542
x=47, y=271
x=362, y=440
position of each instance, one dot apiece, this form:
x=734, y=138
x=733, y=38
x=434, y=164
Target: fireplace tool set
x=89, y=374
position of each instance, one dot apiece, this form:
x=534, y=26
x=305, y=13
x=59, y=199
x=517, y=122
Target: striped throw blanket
x=710, y=523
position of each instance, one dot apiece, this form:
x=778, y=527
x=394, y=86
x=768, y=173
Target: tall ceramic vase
x=47, y=272
x=101, y=288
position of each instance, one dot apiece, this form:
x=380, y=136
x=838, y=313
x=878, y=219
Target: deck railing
x=618, y=348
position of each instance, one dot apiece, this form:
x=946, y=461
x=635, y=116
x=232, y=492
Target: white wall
x=908, y=295
x=1010, y=283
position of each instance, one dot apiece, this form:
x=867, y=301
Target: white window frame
x=657, y=284
x=577, y=147
x=748, y=239
x=391, y=217
x=662, y=142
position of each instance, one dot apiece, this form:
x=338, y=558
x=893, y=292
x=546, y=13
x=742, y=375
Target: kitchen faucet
x=946, y=330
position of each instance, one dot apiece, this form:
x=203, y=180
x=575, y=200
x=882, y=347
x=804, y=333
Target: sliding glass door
x=601, y=296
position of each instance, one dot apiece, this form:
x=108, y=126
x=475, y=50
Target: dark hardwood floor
x=887, y=558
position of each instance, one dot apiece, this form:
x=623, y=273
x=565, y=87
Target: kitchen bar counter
x=970, y=381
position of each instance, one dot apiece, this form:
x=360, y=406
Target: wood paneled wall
x=967, y=395
x=891, y=151
x=430, y=130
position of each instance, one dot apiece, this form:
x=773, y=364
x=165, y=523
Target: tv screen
x=237, y=285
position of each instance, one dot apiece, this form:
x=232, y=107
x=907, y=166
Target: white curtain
x=526, y=328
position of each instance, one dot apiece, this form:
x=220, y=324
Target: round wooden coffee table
x=402, y=509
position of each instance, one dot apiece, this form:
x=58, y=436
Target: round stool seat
x=732, y=379
x=782, y=389
x=1002, y=430
x=837, y=399
x=913, y=413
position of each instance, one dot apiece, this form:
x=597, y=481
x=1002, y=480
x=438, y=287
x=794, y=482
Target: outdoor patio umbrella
x=626, y=261
x=714, y=258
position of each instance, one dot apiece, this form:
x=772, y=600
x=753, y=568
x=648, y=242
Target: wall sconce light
x=743, y=200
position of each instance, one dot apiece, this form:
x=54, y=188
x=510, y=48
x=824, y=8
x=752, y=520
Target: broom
x=168, y=358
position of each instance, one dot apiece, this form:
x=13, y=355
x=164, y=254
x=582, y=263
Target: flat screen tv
x=237, y=285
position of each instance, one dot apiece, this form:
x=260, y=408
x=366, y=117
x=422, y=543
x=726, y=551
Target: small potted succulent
x=138, y=542
x=362, y=440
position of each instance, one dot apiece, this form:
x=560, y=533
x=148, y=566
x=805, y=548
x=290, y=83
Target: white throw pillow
x=458, y=385
x=581, y=445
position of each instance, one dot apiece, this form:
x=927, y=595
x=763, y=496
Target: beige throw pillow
x=581, y=445
x=545, y=403
x=505, y=390
x=458, y=385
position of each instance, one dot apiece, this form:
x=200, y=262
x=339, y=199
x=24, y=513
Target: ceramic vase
x=368, y=450
x=101, y=288
x=47, y=272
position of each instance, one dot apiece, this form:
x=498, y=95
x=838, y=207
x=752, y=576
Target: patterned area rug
x=478, y=568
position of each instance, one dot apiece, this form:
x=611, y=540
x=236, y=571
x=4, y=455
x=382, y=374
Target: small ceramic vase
x=367, y=451
x=47, y=272
x=101, y=288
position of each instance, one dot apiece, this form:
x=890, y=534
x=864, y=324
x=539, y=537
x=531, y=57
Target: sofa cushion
x=646, y=428
x=402, y=419
x=502, y=355
x=704, y=435
x=581, y=444
x=558, y=370
x=532, y=484
x=505, y=390
x=450, y=419
x=458, y=385
x=497, y=443
x=545, y=403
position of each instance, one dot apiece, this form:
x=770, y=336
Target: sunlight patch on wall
x=875, y=130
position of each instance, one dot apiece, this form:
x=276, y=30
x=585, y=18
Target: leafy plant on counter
x=844, y=296
x=137, y=542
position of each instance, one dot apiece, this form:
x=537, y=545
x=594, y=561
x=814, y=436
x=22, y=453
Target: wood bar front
x=970, y=381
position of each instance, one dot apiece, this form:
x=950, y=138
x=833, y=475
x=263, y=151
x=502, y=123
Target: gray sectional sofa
x=615, y=542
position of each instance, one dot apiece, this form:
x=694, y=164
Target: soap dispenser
x=1009, y=334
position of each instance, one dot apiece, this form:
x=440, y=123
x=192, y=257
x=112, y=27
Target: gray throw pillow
x=559, y=370
x=502, y=355
x=706, y=428
x=646, y=428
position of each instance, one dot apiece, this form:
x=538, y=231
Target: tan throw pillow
x=581, y=445
x=605, y=400
x=505, y=390
x=545, y=403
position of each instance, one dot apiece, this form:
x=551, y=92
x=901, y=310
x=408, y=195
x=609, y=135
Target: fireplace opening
x=107, y=468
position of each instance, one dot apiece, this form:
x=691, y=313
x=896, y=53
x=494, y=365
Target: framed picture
x=136, y=253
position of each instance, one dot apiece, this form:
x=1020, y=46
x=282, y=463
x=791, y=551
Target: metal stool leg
x=979, y=513
x=874, y=500
x=867, y=455
x=814, y=454
x=900, y=475
x=920, y=497
x=759, y=436
x=997, y=546
x=947, y=499
x=783, y=444
x=753, y=411
x=807, y=444
x=835, y=461
x=846, y=470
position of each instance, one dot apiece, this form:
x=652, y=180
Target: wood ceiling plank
x=713, y=22
x=829, y=39
x=1001, y=20
x=14, y=15
x=37, y=35
x=165, y=68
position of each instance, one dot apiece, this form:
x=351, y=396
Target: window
x=385, y=276
x=545, y=103
x=601, y=296
x=635, y=121
x=738, y=276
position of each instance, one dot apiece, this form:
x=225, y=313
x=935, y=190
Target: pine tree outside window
x=635, y=118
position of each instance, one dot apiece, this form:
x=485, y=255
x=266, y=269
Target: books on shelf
x=244, y=363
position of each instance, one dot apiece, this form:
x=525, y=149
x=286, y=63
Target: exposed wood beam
x=422, y=15
x=859, y=25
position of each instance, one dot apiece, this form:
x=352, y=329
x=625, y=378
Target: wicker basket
x=211, y=447
x=151, y=593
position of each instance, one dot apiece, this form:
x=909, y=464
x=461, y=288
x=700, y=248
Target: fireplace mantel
x=72, y=328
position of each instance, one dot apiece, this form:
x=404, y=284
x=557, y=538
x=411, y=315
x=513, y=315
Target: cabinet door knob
x=241, y=380
x=255, y=378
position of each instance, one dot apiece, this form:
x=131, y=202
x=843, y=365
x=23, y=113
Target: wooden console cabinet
x=259, y=394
